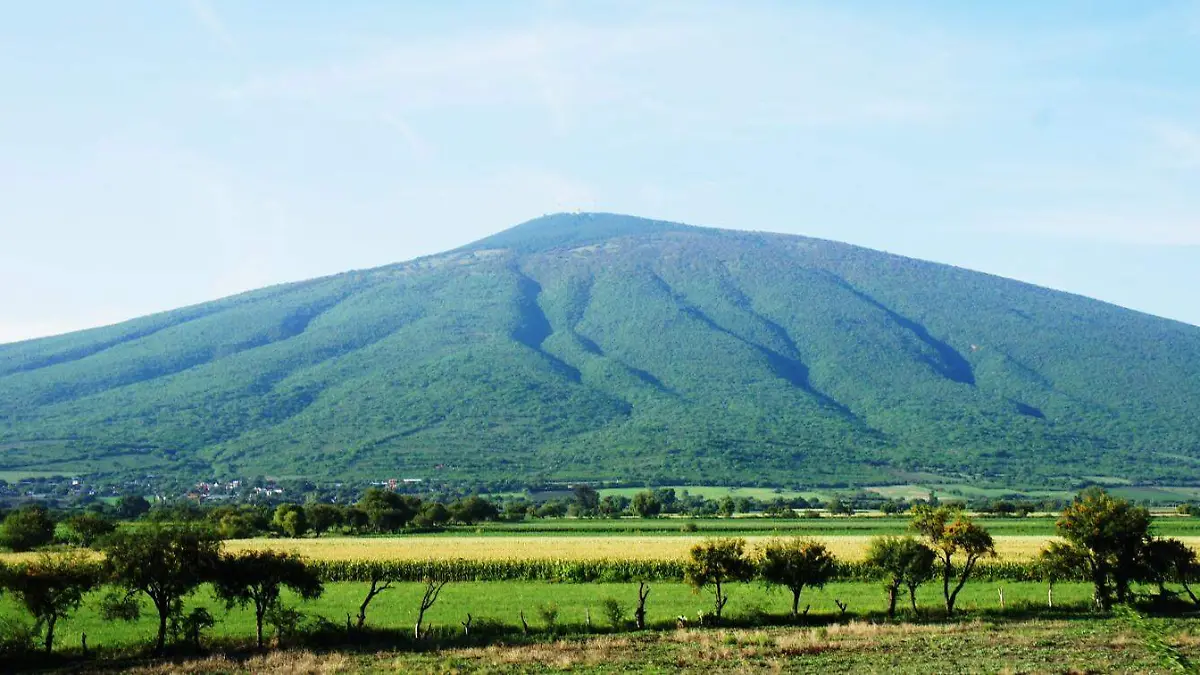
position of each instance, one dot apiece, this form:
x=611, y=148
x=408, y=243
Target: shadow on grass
x=324, y=637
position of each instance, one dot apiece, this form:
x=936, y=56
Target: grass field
x=502, y=603
x=865, y=525
x=946, y=492
x=716, y=492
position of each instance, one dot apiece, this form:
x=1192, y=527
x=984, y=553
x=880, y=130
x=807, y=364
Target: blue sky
x=158, y=153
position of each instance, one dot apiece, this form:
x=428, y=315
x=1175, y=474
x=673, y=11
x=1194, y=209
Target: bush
x=549, y=614
x=17, y=640
x=27, y=528
x=614, y=611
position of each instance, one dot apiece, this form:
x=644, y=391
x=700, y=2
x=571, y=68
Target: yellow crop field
x=1012, y=548
x=565, y=548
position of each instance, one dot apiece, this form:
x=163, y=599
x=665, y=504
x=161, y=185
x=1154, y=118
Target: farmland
x=500, y=604
x=853, y=548
x=758, y=639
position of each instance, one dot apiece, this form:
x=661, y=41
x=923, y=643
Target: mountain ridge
x=607, y=347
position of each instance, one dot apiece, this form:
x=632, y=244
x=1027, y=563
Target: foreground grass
x=1091, y=646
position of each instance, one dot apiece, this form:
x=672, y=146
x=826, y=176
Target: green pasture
x=503, y=602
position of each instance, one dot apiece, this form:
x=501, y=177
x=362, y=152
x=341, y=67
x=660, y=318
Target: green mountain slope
x=598, y=346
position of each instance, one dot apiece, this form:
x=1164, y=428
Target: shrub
x=549, y=614
x=614, y=611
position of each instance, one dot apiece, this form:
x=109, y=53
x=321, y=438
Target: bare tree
x=433, y=588
x=639, y=614
x=380, y=582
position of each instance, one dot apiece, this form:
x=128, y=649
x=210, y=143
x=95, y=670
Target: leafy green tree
x=433, y=514
x=715, y=563
x=612, y=506
x=388, y=511
x=840, y=507
x=587, y=500
x=28, y=528
x=646, y=505
x=132, y=507
x=323, y=517
x=236, y=526
x=1060, y=562
x=904, y=561
x=356, y=519
x=291, y=520
x=164, y=563
x=1171, y=561
x=257, y=577
x=51, y=587
x=473, y=510
x=1110, y=535
x=951, y=532
x=796, y=564
x=88, y=528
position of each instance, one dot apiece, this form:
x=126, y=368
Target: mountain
x=598, y=346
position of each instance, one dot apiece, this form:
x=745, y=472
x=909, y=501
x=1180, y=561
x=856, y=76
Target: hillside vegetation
x=606, y=347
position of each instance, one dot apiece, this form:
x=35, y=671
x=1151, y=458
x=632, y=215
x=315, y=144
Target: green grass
x=503, y=601
x=717, y=492
x=16, y=476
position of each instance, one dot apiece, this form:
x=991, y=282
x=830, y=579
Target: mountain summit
x=606, y=347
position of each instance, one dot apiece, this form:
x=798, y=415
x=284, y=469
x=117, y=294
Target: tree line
x=1104, y=540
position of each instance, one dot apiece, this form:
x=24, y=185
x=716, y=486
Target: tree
x=388, y=511
x=646, y=505
x=727, y=507
x=1171, y=561
x=950, y=532
x=88, y=528
x=381, y=578
x=639, y=614
x=612, y=506
x=323, y=517
x=796, y=564
x=841, y=507
x=473, y=509
x=165, y=564
x=28, y=528
x=1060, y=562
x=434, y=514
x=52, y=587
x=717, y=562
x=587, y=499
x=1111, y=536
x=257, y=577
x=291, y=520
x=132, y=507
x=904, y=561
x=356, y=519
x=433, y=588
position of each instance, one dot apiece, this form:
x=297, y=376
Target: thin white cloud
x=726, y=68
x=420, y=147
x=1182, y=145
x=1148, y=226
x=206, y=15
